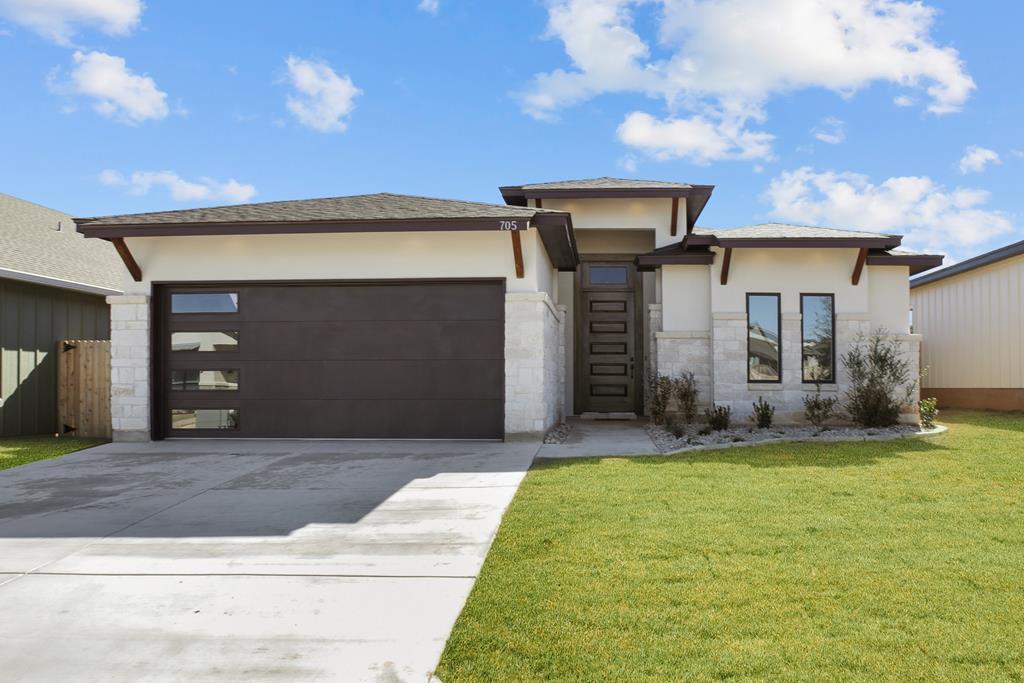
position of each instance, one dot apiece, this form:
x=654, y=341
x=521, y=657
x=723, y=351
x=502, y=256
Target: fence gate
x=83, y=388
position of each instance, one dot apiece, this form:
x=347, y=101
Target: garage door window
x=204, y=380
x=204, y=302
x=207, y=342
x=204, y=418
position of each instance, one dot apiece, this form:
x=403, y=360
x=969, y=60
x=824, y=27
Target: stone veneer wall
x=729, y=340
x=671, y=353
x=534, y=363
x=129, y=367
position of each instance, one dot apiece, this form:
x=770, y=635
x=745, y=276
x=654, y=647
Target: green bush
x=929, y=411
x=819, y=409
x=879, y=381
x=764, y=412
x=719, y=417
x=684, y=388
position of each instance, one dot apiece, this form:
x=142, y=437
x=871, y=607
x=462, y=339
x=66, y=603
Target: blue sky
x=876, y=114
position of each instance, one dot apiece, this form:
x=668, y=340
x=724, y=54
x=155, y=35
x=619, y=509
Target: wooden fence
x=83, y=388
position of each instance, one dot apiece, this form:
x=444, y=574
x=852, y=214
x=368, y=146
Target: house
x=971, y=317
x=390, y=316
x=53, y=286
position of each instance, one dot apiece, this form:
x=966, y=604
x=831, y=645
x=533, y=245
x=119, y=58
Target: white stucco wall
x=879, y=301
x=624, y=214
x=535, y=343
x=353, y=256
x=686, y=298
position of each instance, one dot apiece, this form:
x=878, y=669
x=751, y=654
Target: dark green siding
x=33, y=319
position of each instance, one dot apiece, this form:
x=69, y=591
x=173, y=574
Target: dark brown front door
x=606, y=367
x=359, y=360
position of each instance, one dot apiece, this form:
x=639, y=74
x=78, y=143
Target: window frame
x=205, y=392
x=233, y=352
x=186, y=292
x=778, y=299
x=832, y=297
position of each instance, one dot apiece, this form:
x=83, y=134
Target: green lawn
x=870, y=561
x=19, y=450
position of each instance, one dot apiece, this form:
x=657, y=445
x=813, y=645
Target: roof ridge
x=315, y=199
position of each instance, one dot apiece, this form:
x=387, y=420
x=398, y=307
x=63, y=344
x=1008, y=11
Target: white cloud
x=119, y=93
x=695, y=138
x=430, y=6
x=58, y=20
x=628, y=163
x=904, y=101
x=323, y=99
x=930, y=216
x=724, y=59
x=831, y=131
x=976, y=158
x=181, y=190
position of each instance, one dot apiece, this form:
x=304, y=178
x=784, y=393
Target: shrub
x=718, y=417
x=763, y=413
x=818, y=409
x=929, y=411
x=878, y=373
x=685, y=390
x=659, y=391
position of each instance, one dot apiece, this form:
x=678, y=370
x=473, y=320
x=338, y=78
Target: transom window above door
x=608, y=275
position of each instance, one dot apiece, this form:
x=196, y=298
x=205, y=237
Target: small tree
x=685, y=390
x=879, y=381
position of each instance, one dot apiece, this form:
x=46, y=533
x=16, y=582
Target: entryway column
x=534, y=363
x=129, y=367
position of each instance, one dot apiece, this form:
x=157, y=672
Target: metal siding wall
x=973, y=328
x=33, y=319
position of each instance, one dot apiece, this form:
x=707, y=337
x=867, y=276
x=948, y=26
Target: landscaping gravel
x=558, y=434
x=666, y=442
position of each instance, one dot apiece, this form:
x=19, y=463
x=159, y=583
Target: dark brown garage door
x=360, y=360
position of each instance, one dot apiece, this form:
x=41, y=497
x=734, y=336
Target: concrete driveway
x=232, y=560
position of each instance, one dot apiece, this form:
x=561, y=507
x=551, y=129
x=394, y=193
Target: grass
x=848, y=561
x=19, y=450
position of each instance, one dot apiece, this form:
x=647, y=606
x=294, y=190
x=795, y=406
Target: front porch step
x=608, y=416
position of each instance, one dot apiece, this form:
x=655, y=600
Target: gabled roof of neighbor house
x=41, y=245
x=381, y=212
x=986, y=259
x=694, y=248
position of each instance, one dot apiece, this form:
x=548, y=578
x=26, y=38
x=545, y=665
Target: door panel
x=606, y=338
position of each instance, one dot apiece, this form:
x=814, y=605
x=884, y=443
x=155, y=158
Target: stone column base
x=534, y=364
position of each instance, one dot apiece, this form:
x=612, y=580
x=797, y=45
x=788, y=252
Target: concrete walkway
x=254, y=560
x=590, y=438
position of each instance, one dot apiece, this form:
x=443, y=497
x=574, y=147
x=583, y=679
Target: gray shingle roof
x=31, y=244
x=784, y=230
x=605, y=183
x=383, y=206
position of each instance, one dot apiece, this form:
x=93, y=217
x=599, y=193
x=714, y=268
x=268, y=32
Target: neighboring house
x=972, y=317
x=52, y=287
x=388, y=316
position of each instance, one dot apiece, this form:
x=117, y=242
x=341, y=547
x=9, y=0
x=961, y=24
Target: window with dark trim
x=764, y=342
x=204, y=380
x=204, y=302
x=208, y=341
x=204, y=418
x=817, y=338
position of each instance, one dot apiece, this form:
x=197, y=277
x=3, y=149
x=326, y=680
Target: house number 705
x=509, y=225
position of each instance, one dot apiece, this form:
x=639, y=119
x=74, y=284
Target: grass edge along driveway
x=21, y=450
x=864, y=561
